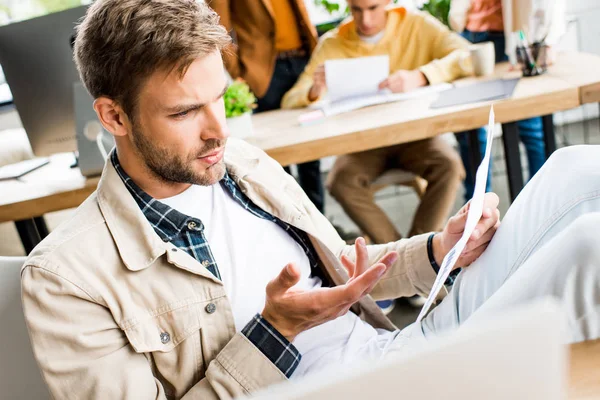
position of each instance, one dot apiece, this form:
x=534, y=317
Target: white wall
x=587, y=15
x=583, y=34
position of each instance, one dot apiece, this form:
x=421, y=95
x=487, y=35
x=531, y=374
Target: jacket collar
x=137, y=242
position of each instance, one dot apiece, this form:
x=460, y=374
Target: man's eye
x=181, y=115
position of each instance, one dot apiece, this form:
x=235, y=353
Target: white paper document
x=473, y=217
x=382, y=97
x=352, y=77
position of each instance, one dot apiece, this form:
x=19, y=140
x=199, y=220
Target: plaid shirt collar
x=167, y=222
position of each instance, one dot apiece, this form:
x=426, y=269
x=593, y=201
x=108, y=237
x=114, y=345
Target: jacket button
x=210, y=308
x=165, y=338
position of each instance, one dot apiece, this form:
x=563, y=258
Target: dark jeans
x=531, y=131
x=285, y=76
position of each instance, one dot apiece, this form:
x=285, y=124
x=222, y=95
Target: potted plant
x=239, y=103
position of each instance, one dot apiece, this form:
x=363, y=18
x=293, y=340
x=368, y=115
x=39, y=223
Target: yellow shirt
x=287, y=33
x=412, y=40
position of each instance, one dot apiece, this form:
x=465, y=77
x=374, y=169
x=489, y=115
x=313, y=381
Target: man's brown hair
x=120, y=43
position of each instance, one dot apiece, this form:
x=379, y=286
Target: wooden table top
x=56, y=187
x=53, y=187
x=584, y=372
x=279, y=133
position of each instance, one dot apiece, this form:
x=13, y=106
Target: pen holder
x=533, y=59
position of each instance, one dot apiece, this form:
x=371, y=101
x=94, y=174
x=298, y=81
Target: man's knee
x=450, y=167
x=343, y=179
x=584, y=231
x=563, y=160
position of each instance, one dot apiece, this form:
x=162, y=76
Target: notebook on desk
x=17, y=170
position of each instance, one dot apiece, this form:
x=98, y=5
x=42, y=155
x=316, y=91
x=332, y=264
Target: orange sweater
x=287, y=33
x=485, y=15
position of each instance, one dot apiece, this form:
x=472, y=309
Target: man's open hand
x=480, y=238
x=292, y=311
x=404, y=81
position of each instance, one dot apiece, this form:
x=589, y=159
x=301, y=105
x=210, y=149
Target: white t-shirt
x=373, y=39
x=250, y=251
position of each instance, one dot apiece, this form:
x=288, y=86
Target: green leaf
x=238, y=99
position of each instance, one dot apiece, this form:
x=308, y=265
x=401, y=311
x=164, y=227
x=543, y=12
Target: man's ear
x=112, y=116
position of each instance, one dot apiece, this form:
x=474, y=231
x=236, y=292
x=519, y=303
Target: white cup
x=483, y=58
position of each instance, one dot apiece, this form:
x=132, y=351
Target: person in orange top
x=274, y=39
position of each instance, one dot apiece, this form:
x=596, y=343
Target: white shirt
x=373, y=39
x=250, y=251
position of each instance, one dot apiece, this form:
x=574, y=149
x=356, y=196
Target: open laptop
x=518, y=355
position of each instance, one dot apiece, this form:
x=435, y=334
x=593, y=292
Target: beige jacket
x=100, y=290
x=518, y=15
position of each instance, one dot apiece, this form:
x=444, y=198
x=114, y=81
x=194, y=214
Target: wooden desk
x=57, y=187
x=279, y=133
x=584, y=372
x=53, y=187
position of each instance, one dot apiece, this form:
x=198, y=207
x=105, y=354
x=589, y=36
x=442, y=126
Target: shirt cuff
x=272, y=344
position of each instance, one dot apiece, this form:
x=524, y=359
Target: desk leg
x=40, y=224
x=30, y=237
x=474, y=152
x=510, y=137
x=31, y=232
x=549, y=137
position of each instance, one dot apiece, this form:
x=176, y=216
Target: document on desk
x=352, y=77
x=353, y=83
x=473, y=217
x=382, y=97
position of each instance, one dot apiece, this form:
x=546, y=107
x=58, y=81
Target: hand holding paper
x=471, y=229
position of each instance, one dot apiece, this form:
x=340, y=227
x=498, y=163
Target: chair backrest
x=20, y=376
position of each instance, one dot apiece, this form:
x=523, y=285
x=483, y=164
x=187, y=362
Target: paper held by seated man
x=365, y=75
x=474, y=215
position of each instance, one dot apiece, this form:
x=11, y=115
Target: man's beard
x=171, y=167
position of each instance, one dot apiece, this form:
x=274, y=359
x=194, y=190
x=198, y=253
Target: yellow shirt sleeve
x=450, y=53
x=297, y=96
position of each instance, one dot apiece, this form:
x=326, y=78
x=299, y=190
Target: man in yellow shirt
x=422, y=51
x=274, y=40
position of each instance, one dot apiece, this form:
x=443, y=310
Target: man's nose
x=215, y=124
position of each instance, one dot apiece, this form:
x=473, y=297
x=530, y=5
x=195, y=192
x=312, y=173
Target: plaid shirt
x=187, y=233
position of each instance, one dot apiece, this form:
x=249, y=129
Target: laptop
x=516, y=355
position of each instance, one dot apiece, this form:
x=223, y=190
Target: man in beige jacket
x=199, y=269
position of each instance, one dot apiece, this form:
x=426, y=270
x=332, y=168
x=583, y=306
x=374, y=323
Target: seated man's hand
x=404, y=81
x=292, y=311
x=319, y=83
x=480, y=238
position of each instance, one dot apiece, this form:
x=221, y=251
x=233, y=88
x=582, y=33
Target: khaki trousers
x=434, y=160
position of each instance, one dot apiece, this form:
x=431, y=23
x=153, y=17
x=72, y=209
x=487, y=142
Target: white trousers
x=548, y=245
